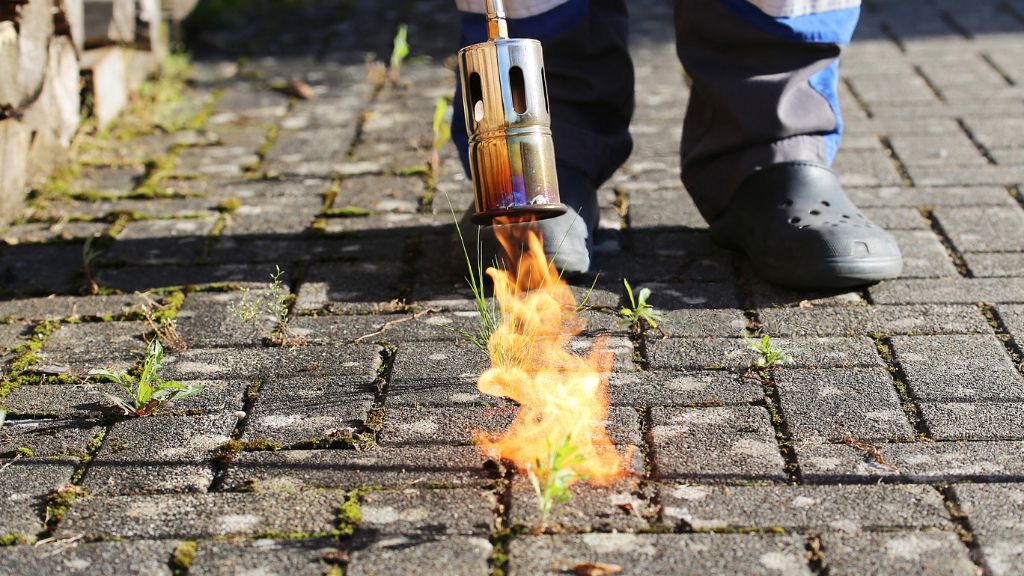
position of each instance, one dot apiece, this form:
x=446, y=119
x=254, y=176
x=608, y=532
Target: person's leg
x=590, y=86
x=763, y=124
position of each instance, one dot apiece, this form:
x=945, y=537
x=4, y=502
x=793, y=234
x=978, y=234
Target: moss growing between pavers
x=227, y=451
x=183, y=556
x=346, y=212
x=12, y=540
x=90, y=452
x=350, y=513
x=60, y=501
x=229, y=205
x=25, y=356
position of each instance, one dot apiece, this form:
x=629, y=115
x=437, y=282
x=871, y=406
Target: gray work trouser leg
x=763, y=92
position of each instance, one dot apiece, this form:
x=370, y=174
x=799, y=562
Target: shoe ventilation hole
x=794, y=220
x=825, y=203
x=804, y=226
x=846, y=216
x=861, y=216
x=815, y=213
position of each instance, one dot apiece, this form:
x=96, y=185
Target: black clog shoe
x=799, y=230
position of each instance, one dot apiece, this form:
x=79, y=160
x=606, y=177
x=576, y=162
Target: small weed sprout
x=399, y=52
x=148, y=393
x=639, y=316
x=442, y=133
x=251, y=309
x=89, y=255
x=160, y=318
x=551, y=480
x=769, y=356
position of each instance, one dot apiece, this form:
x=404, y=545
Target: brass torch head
x=511, y=154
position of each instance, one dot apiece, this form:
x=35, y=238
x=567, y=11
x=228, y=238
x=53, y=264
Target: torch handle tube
x=496, y=25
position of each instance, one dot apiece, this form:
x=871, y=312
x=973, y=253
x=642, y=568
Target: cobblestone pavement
x=892, y=445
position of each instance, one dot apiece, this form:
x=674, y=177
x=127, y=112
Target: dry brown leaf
x=300, y=89
x=596, y=569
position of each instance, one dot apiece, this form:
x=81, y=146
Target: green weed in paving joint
x=149, y=392
x=399, y=52
x=250, y=308
x=639, y=316
x=551, y=480
x=769, y=355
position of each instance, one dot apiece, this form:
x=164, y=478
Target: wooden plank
x=109, y=22
x=14, y=144
x=149, y=29
x=69, y=20
x=108, y=82
x=33, y=24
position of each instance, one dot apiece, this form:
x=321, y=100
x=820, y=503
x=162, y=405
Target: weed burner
x=508, y=117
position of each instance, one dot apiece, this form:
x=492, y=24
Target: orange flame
x=560, y=395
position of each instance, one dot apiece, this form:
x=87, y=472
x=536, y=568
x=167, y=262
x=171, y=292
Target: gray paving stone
x=829, y=404
x=433, y=514
x=25, y=485
x=620, y=507
x=142, y=557
x=949, y=291
x=683, y=554
x=131, y=279
x=282, y=216
x=983, y=229
x=400, y=467
x=293, y=410
x=700, y=387
x=916, y=461
x=40, y=269
x=349, y=287
x=56, y=307
x=764, y=295
x=272, y=246
x=897, y=219
x=212, y=320
x=850, y=509
x=191, y=516
x=423, y=366
x=159, y=241
x=263, y=556
x=735, y=442
x=158, y=454
x=945, y=368
x=44, y=232
x=115, y=346
x=970, y=421
x=702, y=323
x=878, y=553
x=1013, y=316
x=395, y=328
x=923, y=255
x=294, y=362
x=994, y=511
x=12, y=336
x=47, y=438
x=995, y=264
x=701, y=296
x=858, y=352
x=89, y=400
x=457, y=555
x=923, y=196
x=868, y=320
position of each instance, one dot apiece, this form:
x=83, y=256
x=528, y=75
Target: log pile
x=51, y=53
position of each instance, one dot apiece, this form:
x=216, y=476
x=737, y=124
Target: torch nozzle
x=497, y=27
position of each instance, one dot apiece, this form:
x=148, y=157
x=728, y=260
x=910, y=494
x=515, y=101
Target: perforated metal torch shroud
x=511, y=154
